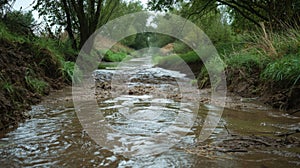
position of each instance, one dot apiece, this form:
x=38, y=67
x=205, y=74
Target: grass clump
x=71, y=72
x=274, y=44
x=6, y=85
x=35, y=84
x=249, y=61
x=285, y=70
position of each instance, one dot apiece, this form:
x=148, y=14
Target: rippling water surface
x=54, y=137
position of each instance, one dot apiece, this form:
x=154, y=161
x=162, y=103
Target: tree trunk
x=69, y=28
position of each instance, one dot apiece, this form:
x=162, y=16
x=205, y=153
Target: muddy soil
x=17, y=63
x=249, y=85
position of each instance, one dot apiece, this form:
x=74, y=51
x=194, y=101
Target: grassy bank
x=111, y=58
x=270, y=63
x=30, y=68
x=179, y=62
x=258, y=64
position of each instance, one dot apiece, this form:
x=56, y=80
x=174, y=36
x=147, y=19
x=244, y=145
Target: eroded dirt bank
x=27, y=73
x=277, y=95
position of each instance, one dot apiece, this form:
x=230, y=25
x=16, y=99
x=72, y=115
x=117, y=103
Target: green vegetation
x=108, y=65
x=285, y=70
x=258, y=41
x=181, y=48
x=24, y=20
x=259, y=45
x=30, y=65
x=247, y=60
x=37, y=85
x=111, y=56
x=10, y=36
x=6, y=85
x=275, y=55
x=111, y=59
x=81, y=19
x=175, y=60
x=68, y=69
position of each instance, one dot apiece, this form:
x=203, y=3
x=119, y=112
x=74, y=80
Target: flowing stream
x=146, y=114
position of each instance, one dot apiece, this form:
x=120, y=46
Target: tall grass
x=265, y=47
x=274, y=44
x=247, y=60
x=286, y=71
x=274, y=55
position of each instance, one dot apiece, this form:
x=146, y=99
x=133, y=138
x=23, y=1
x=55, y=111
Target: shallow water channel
x=145, y=116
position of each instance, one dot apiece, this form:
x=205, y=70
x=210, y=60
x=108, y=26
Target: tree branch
x=239, y=11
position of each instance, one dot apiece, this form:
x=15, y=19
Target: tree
x=80, y=17
x=5, y=5
x=275, y=13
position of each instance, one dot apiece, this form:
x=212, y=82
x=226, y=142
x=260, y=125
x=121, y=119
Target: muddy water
x=54, y=137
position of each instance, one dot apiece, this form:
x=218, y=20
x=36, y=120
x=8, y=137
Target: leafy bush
x=160, y=40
